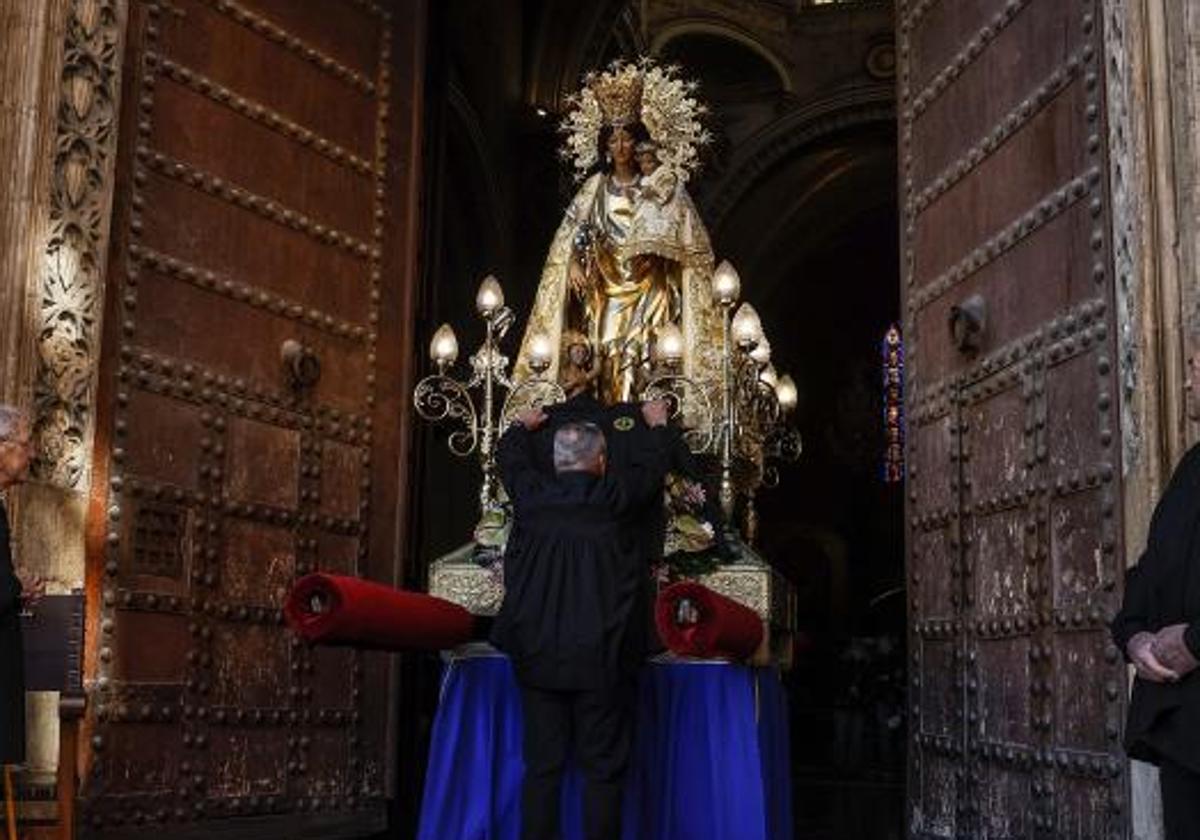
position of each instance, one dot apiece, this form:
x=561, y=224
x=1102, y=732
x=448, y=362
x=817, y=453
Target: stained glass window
x=893, y=405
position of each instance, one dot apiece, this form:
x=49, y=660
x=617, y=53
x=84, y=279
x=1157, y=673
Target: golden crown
x=619, y=96
x=628, y=92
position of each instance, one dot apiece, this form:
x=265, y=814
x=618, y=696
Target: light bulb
x=444, y=346
x=668, y=344
x=785, y=391
x=747, y=328
x=490, y=296
x=539, y=353
x=726, y=285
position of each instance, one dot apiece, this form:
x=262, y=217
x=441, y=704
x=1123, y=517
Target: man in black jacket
x=15, y=452
x=576, y=577
x=1158, y=629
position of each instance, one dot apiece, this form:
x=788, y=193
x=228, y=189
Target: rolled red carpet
x=695, y=621
x=337, y=610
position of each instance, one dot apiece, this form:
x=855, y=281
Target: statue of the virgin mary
x=631, y=255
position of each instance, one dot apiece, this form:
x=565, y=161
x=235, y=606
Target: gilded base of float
x=750, y=581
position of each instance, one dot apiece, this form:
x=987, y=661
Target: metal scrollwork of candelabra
x=440, y=398
x=744, y=419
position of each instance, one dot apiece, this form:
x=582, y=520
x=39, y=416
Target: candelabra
x=441, y=398
x=751, y=433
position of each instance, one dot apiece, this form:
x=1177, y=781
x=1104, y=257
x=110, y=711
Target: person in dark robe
x=1158, y=629
x=625, y=430
x=15, y=453
x=576, y=575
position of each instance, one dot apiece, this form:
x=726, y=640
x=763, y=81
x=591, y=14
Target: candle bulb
x=540, y=355
x=747, y=328
x=726, y=285
x=490, y=297
x=668, y=344
x=786, y=392
x=444, y=346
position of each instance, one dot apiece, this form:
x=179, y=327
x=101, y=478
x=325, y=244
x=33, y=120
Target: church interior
x=256, y=256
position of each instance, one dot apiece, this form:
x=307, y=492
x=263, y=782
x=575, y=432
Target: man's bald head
x=579, y=447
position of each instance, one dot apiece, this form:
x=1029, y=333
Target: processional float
x=739, y=425
x=630, y=308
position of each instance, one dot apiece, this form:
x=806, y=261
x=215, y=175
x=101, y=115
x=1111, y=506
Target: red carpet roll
x=695, y=621
x=337, y=610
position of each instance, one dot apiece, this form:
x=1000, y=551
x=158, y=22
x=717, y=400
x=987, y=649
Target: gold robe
x=649, y=270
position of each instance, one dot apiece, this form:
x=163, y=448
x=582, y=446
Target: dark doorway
x=813, y=230
x=816, y=242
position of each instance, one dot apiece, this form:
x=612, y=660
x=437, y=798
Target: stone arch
x=678, y=29
x=854, y=107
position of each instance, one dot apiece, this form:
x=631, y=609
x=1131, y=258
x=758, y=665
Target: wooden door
x=253, y=408
x=1014, y=534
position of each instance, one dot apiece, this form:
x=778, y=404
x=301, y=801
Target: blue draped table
x=710, y=758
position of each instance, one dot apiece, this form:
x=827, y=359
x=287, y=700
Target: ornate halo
x=669, y=111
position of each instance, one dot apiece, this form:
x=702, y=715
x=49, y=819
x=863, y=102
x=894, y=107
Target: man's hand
x=1141, y=650
x=531, y=418
x=655, y=412
x=1172, y=651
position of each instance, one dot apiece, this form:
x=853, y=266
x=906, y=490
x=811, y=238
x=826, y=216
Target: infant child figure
x=577, y=372
x=657, y=182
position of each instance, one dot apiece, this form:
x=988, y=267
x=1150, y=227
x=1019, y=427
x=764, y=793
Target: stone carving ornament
x=71, y=287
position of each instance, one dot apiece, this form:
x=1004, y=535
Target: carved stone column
x=31, y=35
x=31, y=46
x=60, y=64
x=1152, y=66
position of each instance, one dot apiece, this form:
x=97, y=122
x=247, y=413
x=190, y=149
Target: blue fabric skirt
x=710, y=756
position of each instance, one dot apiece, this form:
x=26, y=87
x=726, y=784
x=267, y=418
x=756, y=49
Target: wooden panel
x=1000, y=570
x=934, y=812
x=286, y=76
x=1004, y=172
x=1084, y=682
x=351, y=39
x=1014, y=284
x=184, y=332
x=251, y=666
x=937, y=588
x=1002, y=690
x=341, y=480
x=298, y=177
x=257, y=564
x=943, y=29
x=294, y=267
x=995, y=450
x=264, y=464
x=172, y=456
x=245, y=763
x=1017, y=59
x=338, y=554
x=940, y=705
x=161, y=662
x=934, y=444
x=1007, y=793
x=1044, y=156
x=266, y=193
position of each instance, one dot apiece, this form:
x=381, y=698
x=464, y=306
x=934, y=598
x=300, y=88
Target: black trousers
x=1181, y=801
x=594, y=727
